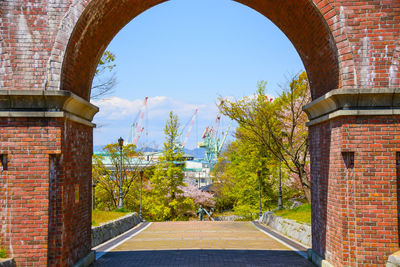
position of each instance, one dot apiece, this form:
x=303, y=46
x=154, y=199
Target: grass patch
x=3, y=253
x=300, y=214
x=99, y=217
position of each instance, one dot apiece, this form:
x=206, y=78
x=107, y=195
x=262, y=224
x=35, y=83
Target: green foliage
x=3, y=253
x=237, y=182
x=107, y=178
x=3, y=250
x=106, y=62
x=166, y=200
x=104, y=84
x=301, y=214
x=276, y=130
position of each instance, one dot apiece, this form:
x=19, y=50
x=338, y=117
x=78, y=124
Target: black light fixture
x=259, y=193
x=94, y=183
x=120, y=202
x=141, y=188
x=120, y=142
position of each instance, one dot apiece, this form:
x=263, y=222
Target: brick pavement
x=201, y=244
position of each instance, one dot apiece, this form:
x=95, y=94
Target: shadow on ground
x=203, y=257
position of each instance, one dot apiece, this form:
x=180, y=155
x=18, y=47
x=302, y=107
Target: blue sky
x=185, y=54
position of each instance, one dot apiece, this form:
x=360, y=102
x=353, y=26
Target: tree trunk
x=307, y=193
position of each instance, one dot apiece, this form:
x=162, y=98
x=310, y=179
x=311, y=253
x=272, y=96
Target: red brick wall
x=24, y=197
x=342, y=43
x=52, y=45
x=355, y=208
x=26, y=214
x=77, y=147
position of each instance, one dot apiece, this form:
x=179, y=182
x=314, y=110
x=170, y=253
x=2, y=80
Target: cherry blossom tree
x=199, y=197
x=278, y=126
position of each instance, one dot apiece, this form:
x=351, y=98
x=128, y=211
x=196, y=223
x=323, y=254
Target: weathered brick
x=53, y=45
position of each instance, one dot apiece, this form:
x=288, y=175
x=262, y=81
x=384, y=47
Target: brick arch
x=50, y=49
x=301, y=21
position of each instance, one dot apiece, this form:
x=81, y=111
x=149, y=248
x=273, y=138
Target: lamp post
x=120, y=202
x=280, y=206
x=93, y=197
x=259, y=193
x=141, y=188
x=280, y=203
x=198, y=183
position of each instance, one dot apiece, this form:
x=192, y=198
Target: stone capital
x=46, y=104
x=354, y=102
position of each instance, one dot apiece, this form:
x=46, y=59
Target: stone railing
x=290, y=228
x=227, y=218
x=104, y=232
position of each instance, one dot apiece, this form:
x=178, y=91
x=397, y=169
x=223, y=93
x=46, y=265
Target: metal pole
x=280, y=206
x=259, y=193
x=141, y=188
x=93, y=197
x=120, y=203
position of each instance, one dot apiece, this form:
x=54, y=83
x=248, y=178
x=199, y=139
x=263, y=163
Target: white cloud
x=115, y=108
x=116, y=114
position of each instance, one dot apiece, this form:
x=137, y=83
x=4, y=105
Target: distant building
x=196, y=172
x=134, y=162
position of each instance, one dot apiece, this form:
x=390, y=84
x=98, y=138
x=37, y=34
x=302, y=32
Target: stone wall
x=297, y=231
x=104, y=232
x=394, y=260
x=7, y=263
x=227, y=218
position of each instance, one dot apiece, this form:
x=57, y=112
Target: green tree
x=277, y=126
x=167, y=199
x=236, y=179
x=103, y=85
x=106, y=176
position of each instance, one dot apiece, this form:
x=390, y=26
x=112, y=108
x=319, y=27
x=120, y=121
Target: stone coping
x=354, y=102
x=39, y=103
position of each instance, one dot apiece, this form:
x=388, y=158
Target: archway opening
x=301, y=22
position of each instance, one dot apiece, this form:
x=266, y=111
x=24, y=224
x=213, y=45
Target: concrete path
x=201, y=244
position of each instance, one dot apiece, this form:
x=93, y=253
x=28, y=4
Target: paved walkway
x=201, y=244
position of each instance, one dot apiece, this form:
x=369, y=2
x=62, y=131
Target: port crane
x=189, y=129
x=211, y=142
x=136, y=128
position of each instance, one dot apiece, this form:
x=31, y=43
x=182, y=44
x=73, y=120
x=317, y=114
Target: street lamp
x=94, y=183
x=259, y=193
x=141, y=187
x=120, y=202
x=280, y=203
x=280, y=206
x=198, y=182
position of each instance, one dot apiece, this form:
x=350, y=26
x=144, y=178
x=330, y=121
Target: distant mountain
x=149, y=149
